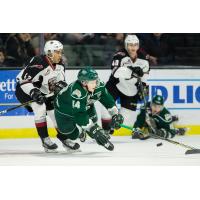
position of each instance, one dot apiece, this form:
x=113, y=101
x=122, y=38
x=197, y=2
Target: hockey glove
x=37, y=96
x=166, y=134
x=59, y=86
x=139, y=134
x=97, y=133
x=116, y=121
x=136, y=71
x=175, y=118
x=181, y=131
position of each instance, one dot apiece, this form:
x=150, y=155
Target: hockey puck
x=159, y=144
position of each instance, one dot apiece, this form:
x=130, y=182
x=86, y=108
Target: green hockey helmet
x=87, y=74
x=158, y=100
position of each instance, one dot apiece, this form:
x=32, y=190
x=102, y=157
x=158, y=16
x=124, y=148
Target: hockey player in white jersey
x=43, y=76
x=122, y=84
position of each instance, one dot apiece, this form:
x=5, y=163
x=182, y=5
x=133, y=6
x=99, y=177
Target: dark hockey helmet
x=158, y=100
x=87, y=74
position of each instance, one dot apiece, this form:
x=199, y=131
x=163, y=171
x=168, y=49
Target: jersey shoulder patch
x=120, y=54
x=168, y=117
x=35, y=66
x=77, y=91
x=37, y=62
x=118, y=57
x=165, y=111
x=37, y=59
x=165, y=115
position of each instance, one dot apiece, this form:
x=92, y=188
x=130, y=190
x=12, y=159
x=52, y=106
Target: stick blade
x=192, y=151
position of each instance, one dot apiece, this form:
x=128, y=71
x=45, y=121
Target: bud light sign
x=181, y=92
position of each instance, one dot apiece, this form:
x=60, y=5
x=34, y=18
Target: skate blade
x=68, y=150
x=50, y=150
x=73, y=151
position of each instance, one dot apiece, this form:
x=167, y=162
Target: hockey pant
x=67, y=124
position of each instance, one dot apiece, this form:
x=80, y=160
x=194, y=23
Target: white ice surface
x=126, y=152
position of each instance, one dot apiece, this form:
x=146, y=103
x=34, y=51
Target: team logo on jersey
x=51, y=84
x=120, y=53
x=126, y=61
x=77, y=93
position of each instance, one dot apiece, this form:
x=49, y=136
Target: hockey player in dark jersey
x=75, y=111
x=160, y=119
x=41, y=80
x=122, y=84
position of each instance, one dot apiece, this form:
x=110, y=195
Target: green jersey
x=74, y=101
x=163, y=119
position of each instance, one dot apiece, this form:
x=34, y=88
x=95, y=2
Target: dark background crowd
x=97, y=49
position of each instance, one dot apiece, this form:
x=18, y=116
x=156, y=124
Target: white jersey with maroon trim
x=41, y=73
x=121, y=74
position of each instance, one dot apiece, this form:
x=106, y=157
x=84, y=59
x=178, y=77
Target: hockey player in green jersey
x=160, y=118
x=75, y=111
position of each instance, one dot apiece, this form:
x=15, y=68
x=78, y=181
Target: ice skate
x=71, y=146
x=49, y=146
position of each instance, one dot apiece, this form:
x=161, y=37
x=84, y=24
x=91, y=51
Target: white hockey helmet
x=131, y=39
x=52, y=45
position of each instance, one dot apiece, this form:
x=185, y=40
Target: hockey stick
x=13, y=108
x=19, y=106
x=191, y=150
